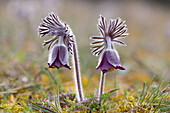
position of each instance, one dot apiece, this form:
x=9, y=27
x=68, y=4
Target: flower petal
x=57, y=63
x=104, y=65
x=52, y=54
x=113, y=57
x=63, y=54
x=120, y=67
x=58, y=57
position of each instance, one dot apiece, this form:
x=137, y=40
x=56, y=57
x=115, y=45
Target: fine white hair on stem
x=77, y=77
x=101, y=86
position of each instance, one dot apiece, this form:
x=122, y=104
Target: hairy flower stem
x=60, y=40
x=80, y=95
x=101, y=87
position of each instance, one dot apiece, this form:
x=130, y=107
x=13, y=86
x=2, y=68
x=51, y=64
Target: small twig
x=14, y=90
x=5, y=92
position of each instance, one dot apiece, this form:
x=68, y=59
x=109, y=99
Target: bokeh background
x=147, y=52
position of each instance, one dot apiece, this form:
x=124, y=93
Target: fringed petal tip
x=67, y=66
x=120, y=67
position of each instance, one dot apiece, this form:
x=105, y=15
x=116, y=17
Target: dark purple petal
x=57, y=63
x=50, y=66
x=120, y=67
x=67, y=66
x=53, y=55
x=104, y=65
x=58, y=57
x=63, y=55
x=108, y=60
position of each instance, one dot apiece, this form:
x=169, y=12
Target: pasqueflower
x=109, y=58
x=61, y=43
x=58, y=57
x=103, y=44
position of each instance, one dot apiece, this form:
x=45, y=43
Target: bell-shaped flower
x=61, y=44
x=58, y=57
x=52, y=26
x=109, y=61
x=104, y=44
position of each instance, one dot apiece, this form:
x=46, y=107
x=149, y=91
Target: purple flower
x=60, y=44
x=52, y=26
x=104, y=44
x=58, y=57
x=109, y=61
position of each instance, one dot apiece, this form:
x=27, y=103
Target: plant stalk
x=80, y=95
x=101, y=87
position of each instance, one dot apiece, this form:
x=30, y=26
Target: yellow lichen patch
x=130, y=98
x=123, y=103
x=14, y=108
x=123, y=108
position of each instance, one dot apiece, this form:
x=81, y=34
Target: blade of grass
x=163, y=91
x=143, y=91
x=154, y=92
x=10, y=90
x=92, y=98
x=49, y=74
x=30, y=78
x=166, y=107
x=164, y=97
x=57, y=103
x=54, y=107
x=158, y=105
x=147, y=90
x=46, y=71
x=44, y=109
x=112, y=90
x=107, y=95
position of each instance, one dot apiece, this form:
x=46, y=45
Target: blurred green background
x=148, y=44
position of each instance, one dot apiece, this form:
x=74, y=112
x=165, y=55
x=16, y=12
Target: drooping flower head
x=103, y=44
x=61, y=43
